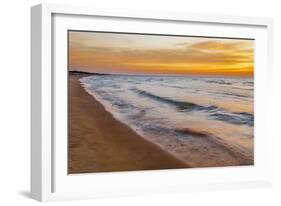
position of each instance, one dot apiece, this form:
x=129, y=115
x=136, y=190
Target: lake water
x=204, y=121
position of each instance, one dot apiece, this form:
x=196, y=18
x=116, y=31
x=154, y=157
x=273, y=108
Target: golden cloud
x=207, y=56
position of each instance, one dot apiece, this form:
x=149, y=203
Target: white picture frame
x=49, y=180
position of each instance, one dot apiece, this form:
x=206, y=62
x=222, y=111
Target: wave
x=218, y=82
x=181, y=105
x=213, y=111
x=242, y=88
x=248, y=83
x=194, y=133
x=235, y=118
x=234, y=150
x=232, y=94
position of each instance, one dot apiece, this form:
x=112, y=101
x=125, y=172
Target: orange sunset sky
x=154, y=54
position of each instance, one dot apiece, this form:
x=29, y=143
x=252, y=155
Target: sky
x=102, y=52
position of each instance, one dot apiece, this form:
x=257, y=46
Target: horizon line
x=159, y=74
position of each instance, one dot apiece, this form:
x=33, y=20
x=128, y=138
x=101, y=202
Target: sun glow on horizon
x=154, y=54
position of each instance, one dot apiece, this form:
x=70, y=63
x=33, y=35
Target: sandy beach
x=99, y=143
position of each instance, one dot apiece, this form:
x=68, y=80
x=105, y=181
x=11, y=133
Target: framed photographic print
x=136, y=102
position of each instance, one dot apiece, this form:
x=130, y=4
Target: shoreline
x=98, y=142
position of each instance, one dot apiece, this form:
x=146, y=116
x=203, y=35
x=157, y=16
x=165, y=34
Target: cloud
x=212, y=54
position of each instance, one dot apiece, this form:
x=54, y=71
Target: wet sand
x=97, y=142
